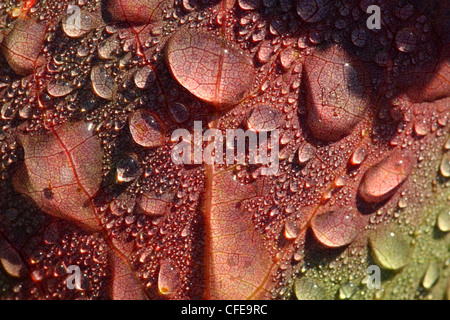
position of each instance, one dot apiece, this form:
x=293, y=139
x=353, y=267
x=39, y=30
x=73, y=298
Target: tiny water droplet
x=359, y=155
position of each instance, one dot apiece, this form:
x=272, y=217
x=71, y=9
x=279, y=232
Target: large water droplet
x=336, y=228
x=209, y=67
x=107, y=48
x=383, y=179
x=59, y=88
x=133, y=11
x=128, y=169
x=168, y=279
x=77, y=22
x=406, y=40
x=264, y=118
x=312, y=10
x=346, y=290
x=390, y=249
x=445, y=165
x=10, y=260
x=179, y=112
x=152, y=203
x=443, y=220
x=103, y=84
x=144, y=77
x=431, y=275
x=306, y=289
x=338, y=93
x=22, y=46
x=359, y=155
x=291, y=229
x=305, y=152
x=146, y=129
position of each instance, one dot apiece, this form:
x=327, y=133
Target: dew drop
x=306, y=289
x=431, y=275
x=264, y=118
x=128, y=169
x=59, y=88
x=107, y=48
x=22, y=46
x=312, y=10
x=144, y=77
x=209, y=67
x=168, y=279
x=146, y=129
x=382, y=180
x=77, y=22
x=421, y=127
x=338, y=93
x=249, y=4
x=406, y=40
x=443, y=220
x=346, y=290
x=10, y=260
x=390, y=249
x=179, y=112
x=336, y=228
x=102, y=83
x=305, y=152
x=291, y=230
x=359, y=155
x=445, y=165
x=152, y=203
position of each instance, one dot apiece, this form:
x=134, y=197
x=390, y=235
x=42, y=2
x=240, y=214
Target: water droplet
x=265, y=52
x=249, y=4
x=305, y=152
x=359, y=155
x=59, y=88
x=382, y=180
x=346, y=290
x=359, y=37
x=209, y=67
x=431, y=275
x=443, y=220
x=312, y=10
x=406, y=40
x=144, y=77
x=337, y=98
x=291, y=229
x=336, y=228
x=128, y=169
x=10, y=260
x=287, y=57
x=146, y=129
x=107, y=48
x=77, y=22
x=102, y=83
x=132, y=11
x=168, y=279
x=421, y=127
x=390, y=249
x=179, y=112
x=306, y=289
x=447, y=144
x=263, y=118
x=445, y=165
x=152, y=203
x=22, y=46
